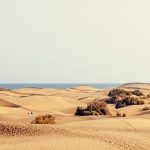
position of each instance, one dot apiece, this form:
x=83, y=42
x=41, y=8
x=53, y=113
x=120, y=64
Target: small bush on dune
x=146, y=108
x=148, y=95
x=118, y=114
x=124, y=115
x=45, y=119
x=121, y=115
x=94, y=108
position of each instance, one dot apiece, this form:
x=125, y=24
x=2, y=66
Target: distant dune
x=144, y=86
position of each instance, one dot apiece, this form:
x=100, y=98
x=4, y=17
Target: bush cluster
x=121, y=115
x=128, y=101
x=94, y=108
x=44, y=119
x=123, y=93
x=119, y=92
x=124, y=98
x=146, y=108
x=137, y=93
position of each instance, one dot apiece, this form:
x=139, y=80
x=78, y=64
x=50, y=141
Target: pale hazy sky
x=74, y=41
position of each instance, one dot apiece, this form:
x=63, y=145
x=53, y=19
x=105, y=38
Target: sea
x=56, y=85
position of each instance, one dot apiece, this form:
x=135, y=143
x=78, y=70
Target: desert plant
x=124, y=115
x=113, y=100
x=93, y=108
x=148, y=95
x=118, y=114
x=128, y=101
x=146, y=108
x=94, y=113
x=137, y=93
x=79, y=111
x=119, y=92
x=100, y=107
x=44, y=119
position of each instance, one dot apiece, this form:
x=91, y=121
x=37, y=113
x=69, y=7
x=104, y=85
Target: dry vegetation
x=45, y=119
x=121, y=115
x=122, y=98
x=93, y=108
x=146, y=108
x=128, y=101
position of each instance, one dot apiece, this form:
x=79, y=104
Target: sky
x=74, y=41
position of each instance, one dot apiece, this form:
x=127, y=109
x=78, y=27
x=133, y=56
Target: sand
x=71, y=132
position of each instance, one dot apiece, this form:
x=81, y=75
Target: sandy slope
x=70, y=132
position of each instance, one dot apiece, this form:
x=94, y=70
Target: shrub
x=120, y=105
x=124, y=115
x=94, y=113
x=119, y=92
x=79, y=111
x=137, y=93
x=118, y=114
x=86, y=113
x=121, y=115
x=44, y=119
x=113, y=100
x=94, y=108
x=123, y=93
x=148, y=95
x=128, y=101
x=99, y=107
x=146, y=108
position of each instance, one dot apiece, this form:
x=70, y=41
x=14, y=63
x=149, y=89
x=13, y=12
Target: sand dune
x=71, y=132
x=120, y=134
x=4, y=103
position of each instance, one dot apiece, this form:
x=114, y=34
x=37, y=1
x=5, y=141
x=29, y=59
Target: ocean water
x=57, y=85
